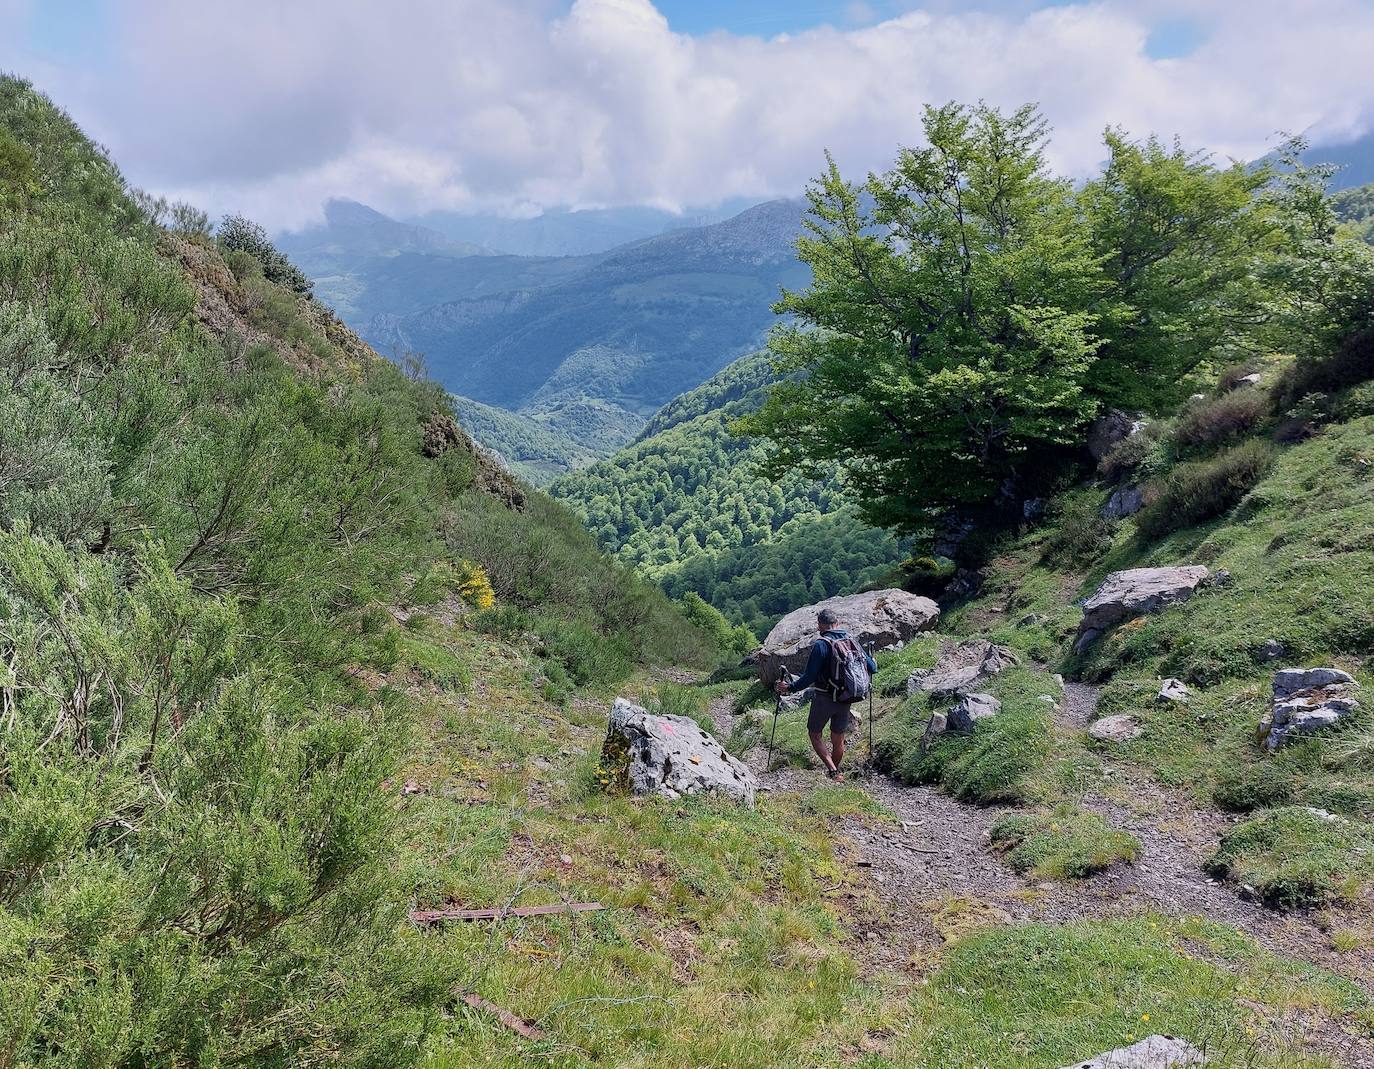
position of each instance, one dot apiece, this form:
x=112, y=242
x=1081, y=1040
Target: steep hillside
x=536, y=451
x=630, y=329
x=687, y=506
x=224, y=523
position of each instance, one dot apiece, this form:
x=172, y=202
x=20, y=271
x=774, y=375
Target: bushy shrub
x=1201, y=490
x=238, y=234
x=1223, y=419
x=737, y=639
x=1078, y=533
x=1351, y=364
x=1138, y=455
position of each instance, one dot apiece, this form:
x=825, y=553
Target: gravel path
x=931, y=874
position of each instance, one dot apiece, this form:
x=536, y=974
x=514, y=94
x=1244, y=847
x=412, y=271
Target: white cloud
x=269, y=108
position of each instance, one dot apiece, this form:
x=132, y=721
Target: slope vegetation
x=686, y=505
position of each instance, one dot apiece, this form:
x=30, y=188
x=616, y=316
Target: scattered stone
x=936, y=726
x=1272, y=650
x=883, y=618
x=1197, y=397
x=966, y=583
x=1120, y=728
x=1126, y=500
x=1135, y=592
x=671, y=756
x=1034, y=619
x=1107, y=430
x=1173, y=690
x=961, y=667
x=1248, y=380
x=1152, y=1052
x=970, y=709
x=1306, y=701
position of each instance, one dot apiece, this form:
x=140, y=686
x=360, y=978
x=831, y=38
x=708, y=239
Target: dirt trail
x=932, y=871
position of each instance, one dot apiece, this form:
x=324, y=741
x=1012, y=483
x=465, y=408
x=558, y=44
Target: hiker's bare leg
x=836, y=747
x=818, y=744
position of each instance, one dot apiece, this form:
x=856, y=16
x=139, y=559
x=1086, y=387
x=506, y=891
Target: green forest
x=690, y=508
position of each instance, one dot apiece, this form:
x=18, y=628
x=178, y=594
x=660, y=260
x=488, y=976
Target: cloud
x=503, y=105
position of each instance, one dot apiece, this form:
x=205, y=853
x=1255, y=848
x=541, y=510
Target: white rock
x=972, y=708
x=1135, y=592
x=883, y=618
x=1307, y=701
x=672, y=756
x=1174, y=690
x=1152, y=1052
x=1120, y=728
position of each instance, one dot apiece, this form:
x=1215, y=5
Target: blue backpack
x=847, y=671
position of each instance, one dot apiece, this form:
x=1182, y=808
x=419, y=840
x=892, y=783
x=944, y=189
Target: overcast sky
x=271, y=106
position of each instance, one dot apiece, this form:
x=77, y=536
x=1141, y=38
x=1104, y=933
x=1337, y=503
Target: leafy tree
x=238, y=234
x=946, y=333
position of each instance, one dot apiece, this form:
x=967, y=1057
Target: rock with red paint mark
x=670, y=756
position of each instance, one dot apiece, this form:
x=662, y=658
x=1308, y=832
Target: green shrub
x=1138, y=454
x=237, y=234
x=1243, y=786
x=1350, y=365
x=1293, y=856
x=1079, y=533
x=1066, y=843
x=1222, y=420
x=1201, y=490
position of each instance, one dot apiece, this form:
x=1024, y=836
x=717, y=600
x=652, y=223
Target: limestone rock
x=885, y=618
x=1126, y=500
x=970, y=709
x=1306, y=701
x=1248, y=380
x=1135, y=592
x=1107, y=430
x=1271, y=650
x=1152, y=1052
x=961, y=667
x=1120, y=728
x=1173, y=690
x=671, y=756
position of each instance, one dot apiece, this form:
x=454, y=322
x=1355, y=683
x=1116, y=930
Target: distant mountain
x=589, y=345
x=687, y=505
x=563, y=232
x=1354, y=158
x=533, y=448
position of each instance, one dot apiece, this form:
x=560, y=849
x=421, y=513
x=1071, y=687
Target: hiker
x=841, y=672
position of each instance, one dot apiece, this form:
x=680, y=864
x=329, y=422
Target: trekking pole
x=777, y=708
x=870, y=712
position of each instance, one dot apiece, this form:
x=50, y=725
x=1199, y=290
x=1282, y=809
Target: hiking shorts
x=826, y=710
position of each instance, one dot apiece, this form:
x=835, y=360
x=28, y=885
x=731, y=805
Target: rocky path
x=932, y=874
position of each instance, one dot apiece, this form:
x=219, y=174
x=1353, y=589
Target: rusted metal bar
x=519, y=1025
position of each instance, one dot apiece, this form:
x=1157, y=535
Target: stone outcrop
x=1120, y=728
x=670, y=756
x=884, y=618
x=1173, y=690
x=1126, y=500
x=970, y=709
x=1107, y=430
x=1306, y=701
x=961, y=667
x=1135, y=592
x=1152, y=1052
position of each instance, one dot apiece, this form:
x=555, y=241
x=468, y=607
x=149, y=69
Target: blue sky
x=270, y=107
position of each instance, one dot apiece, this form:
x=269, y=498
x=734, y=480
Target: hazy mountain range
x=586, y=346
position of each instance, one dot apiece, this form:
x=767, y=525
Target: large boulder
x=1152, y=1052
x=1107, y=430
x=1126, y=500
x=670, y=756
x=1306, y=701
x=961, y=667
x=1135, y=592
x=884, y=618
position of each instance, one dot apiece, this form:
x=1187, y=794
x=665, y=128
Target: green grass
x=1064, y=843
x=1292, y=856
x=1015, y=756
x=1040, y=996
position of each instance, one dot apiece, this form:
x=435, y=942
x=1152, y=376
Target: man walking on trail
x=833, y=670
